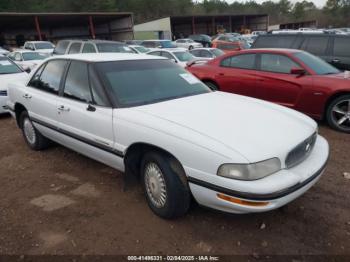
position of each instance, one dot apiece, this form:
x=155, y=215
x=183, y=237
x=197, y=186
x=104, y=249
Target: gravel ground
x=59, y=202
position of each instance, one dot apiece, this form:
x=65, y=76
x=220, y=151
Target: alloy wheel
x=341, y=114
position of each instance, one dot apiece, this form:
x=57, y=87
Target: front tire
x=167, y=195
x=190, y=48
x=338, y=114
x=34, y=139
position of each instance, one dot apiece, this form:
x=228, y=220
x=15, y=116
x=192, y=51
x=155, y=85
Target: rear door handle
x=63, y=108
x=27, y=96
x=221, y=74
x=335, y=60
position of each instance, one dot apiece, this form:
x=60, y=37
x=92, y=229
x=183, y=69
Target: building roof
x=60, y=19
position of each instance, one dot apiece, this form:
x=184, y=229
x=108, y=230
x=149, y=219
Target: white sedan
x=209, y=53
x=9, y=73
x=27, y=59
x=187, y=43
x=152, y=119
x=178, y=55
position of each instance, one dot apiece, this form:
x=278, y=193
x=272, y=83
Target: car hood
x=256, y=129
x=10, y=78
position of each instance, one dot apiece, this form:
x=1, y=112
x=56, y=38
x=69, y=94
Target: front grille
x=301, y=151
x=3, y=93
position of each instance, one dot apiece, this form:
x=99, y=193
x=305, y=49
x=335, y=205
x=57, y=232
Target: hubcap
x=155, y=185
x=29, y=131
x=341, y=114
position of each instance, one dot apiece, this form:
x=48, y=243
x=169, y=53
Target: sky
x=318, y=3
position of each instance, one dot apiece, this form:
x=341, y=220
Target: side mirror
x=173, y=59
x=27, y=69
x=298, y=71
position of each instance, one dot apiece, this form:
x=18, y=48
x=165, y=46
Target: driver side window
x=48, y=77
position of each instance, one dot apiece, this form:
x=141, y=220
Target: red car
x=292, y=78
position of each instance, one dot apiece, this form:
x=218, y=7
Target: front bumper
x=273, y=191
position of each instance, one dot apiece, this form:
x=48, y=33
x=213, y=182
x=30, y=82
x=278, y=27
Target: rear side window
x=277, y=63
x=205, y=53
x=89, y=48
x=240, y=61
x=77, y=82
x=61, y=47
x=342, y=46
x=50, y=78
x=74, y=48
x=316, y=45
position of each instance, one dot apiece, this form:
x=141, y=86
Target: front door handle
x=27, y=96
x=221, y=74
x=63, y=108
x=335, y=60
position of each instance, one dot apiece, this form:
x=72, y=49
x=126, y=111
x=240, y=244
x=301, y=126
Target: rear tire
x=190, y=48
x=34, y=139
x=338, y=114
x=211, y=85
x=167, y=195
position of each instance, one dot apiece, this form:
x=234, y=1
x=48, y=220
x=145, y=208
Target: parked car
x=9, y=72
x=4, y=51
x=179, y=56
x=288, y=77
x=156, y=44
x=40, y=46
x=139, y=49
x=150, y=118
x=187, y=43
x=334, y=49
x=205, y=40
x=90, y=46
x=133, y=42
x=27, y=59
x=207, y=52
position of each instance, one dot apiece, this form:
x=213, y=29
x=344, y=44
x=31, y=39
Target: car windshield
x=167, y=44
x=184, y=56
x=113, y=48
x=316, y=64
x=43, y=46
x=141, y=82
x=33, y=56
x=217, y=52
x=142, y=49
x=8, y=67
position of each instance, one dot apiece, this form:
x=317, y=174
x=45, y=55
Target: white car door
x=85, y=116
x=40, y=95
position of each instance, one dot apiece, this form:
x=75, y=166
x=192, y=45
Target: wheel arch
x=330, y=99
x=135, y=152
x=211, y=81
x=19, y=108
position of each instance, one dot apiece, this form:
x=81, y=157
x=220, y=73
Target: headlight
x=250, y=171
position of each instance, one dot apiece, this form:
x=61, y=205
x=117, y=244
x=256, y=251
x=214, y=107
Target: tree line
x=336, y=13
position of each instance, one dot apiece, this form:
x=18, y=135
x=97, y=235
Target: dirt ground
x=59, y=202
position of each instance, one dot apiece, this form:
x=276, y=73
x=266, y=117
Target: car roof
x=170, y=50
x=270, y=50
x=204, y=48
x=24, y=51
x=38, y=42
x=157, y=40
x=105, y=57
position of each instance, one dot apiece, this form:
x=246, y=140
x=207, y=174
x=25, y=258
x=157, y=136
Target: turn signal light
x=241, y=202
